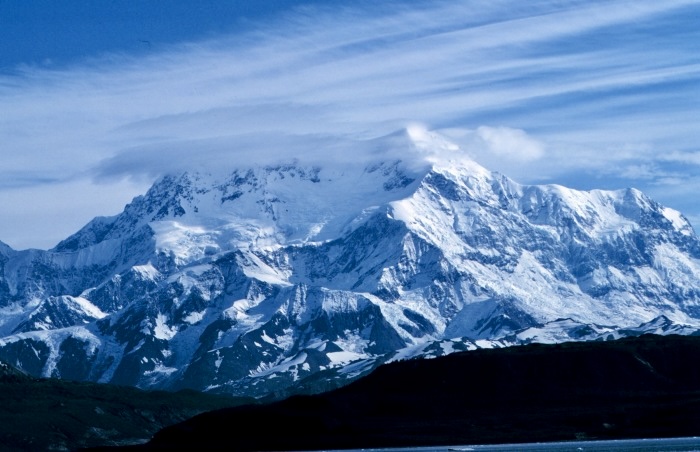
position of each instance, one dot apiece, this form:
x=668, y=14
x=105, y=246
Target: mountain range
x=264, y=280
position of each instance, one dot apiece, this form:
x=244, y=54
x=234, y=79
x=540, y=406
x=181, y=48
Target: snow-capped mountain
x=251, y=281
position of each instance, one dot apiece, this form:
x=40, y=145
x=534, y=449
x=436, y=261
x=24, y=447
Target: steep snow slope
x=253, y=280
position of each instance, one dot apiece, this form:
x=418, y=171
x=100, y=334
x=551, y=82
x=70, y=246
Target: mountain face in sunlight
x=296, y=277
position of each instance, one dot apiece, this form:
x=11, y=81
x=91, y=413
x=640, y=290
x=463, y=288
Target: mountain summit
x=272, y=277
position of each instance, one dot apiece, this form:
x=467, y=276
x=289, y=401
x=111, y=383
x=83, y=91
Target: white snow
x=267, y=338
x=147, y=271
x=84, y=305
x=160, y=369
x=447, y=347
x=162, y=330
x=678, y=221
x=194, y=317
x=344, y=357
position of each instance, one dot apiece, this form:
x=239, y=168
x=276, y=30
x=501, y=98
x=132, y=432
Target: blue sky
x=97, y=99
x=51, y=33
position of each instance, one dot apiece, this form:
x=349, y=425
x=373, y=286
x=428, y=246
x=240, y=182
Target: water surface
x=627, y=445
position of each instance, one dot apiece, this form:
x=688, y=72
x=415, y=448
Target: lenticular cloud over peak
x=415, y=145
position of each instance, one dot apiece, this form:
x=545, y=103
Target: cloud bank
x=577, y=92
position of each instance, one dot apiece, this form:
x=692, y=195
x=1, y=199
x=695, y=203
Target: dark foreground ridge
x=631, y=388
x=51, y=414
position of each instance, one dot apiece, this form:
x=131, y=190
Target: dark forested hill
x=51, y=414
x=637, y=387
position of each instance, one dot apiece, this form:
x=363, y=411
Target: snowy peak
x=289, y=203
x=596, y=213
x=260, y=205
x=252, y=279
x=268, y=206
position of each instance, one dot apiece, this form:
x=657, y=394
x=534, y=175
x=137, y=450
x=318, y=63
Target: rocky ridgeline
x=298, y=277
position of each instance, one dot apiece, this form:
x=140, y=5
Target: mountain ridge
x=250, y=281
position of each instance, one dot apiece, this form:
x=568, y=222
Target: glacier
x=268, y=279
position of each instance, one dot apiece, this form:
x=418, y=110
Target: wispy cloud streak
x=582, y=86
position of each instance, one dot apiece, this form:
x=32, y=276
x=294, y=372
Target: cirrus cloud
x=577, y=81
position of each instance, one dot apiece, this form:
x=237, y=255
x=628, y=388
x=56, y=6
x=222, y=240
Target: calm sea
x=631, y=445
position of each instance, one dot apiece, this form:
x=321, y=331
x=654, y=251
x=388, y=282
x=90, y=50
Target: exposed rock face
x=251, y=282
